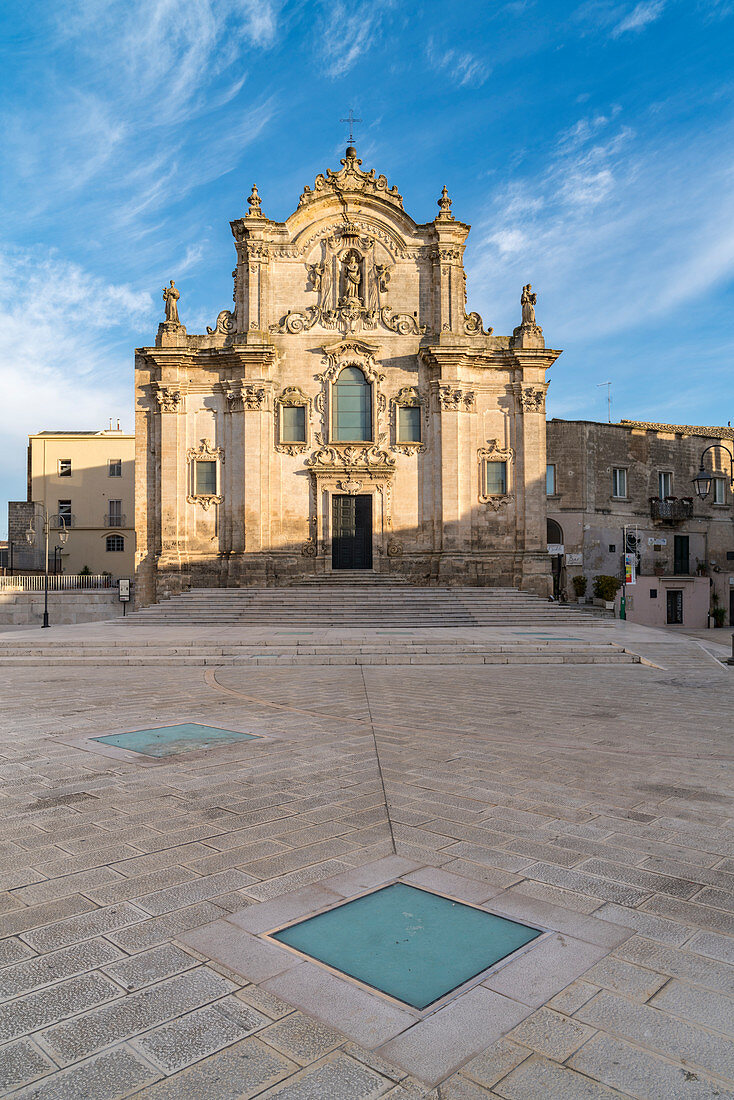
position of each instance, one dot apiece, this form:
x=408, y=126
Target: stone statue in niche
x=320, y=276
x=171, y=297
x=380, y=277
x=528, y=301
x=352, y=269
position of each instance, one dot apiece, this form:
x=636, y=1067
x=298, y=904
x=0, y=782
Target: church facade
x=347, y=412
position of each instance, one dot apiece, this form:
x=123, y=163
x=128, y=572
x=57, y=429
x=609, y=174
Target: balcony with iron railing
x=115, y=519
x=671, y=510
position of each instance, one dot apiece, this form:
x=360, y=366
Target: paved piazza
x=592, y=800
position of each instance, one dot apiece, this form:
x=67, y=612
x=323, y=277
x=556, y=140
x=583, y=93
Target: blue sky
x=589, y=143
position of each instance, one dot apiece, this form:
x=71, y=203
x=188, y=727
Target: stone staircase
x=280, y=651
x=369, y=604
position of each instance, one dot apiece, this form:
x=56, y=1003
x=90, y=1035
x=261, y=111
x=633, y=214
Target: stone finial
x=255, y=203
x=444, y=205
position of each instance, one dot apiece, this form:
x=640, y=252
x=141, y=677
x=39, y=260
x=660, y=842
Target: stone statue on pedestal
x=528, y=301
x=171, y=297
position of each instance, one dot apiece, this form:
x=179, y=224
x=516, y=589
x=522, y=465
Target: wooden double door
x=351, y=532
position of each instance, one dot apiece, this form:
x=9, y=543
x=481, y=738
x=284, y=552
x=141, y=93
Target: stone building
x=603, y=478
x=347, y=413
x=85, y=481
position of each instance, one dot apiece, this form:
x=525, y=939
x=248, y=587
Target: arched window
x=114, y=543
x=352, y=418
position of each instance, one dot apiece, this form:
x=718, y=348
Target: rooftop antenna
x=351, y=121
x=609, y=398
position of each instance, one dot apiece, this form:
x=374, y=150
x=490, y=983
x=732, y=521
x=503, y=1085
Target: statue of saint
x=353, y=278
x=171, y=297
x=527, y=301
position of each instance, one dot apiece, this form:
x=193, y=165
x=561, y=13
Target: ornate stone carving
x=474, y=325
x=352, y=178
x=531, y=398
x=494, y=453
x=255, y=203
x=394, y=549
x=350, y=486
x=205, y=451
x=409, y=397
x=253, y=397
x=293, y=396
x=456, y=399
x=169, y=399
x=225, y=323
x=527, y=303
x=444, y=206
x=309, y=548
x=402, y=323
x=528, y=333
x=352, y=457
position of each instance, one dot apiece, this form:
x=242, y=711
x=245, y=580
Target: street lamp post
x=703, y=479
x=31, y=538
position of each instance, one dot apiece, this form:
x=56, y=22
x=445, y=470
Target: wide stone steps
x=392, y=652
x=368, y=605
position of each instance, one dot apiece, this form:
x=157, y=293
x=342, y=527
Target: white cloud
x=349, y=30
x=463, y=68
x=641, y=16
x=614, y=233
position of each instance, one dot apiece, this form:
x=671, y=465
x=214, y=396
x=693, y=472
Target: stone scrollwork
x=225, y=323
x=293, y=396
x=494, y=453
x=456, y=399
x=350, y=486
x=531, y=398
x=394, y=549
x=254, y=398
x=207, y=452
x=169, y=399
x=309, y=548
x=351, y=177
x=351, y=458
x=474, y=325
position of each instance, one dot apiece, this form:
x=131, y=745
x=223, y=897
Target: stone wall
x=26, y=608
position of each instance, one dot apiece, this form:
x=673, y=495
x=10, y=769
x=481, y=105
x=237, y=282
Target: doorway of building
x=351, y=532
x=674, y=606
x=680, y=555
x=554, y=534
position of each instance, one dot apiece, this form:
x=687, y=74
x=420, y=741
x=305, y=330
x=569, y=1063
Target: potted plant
x=719, y=615
x=605, y=589
x=579, y=583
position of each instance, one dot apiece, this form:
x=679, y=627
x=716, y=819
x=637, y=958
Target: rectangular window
x=64, y=513
x=719, y=490
x=665, y=484
x=114, y=468
x=495, y=479
x=205, y=478
x=409, y=424
x=550, y=480
x=293, y=423
x=64, y=467
x=115, y=513
x=619, y=482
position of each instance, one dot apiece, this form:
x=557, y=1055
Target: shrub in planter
x=605, y=588
x=579, y=585
x=719, y=614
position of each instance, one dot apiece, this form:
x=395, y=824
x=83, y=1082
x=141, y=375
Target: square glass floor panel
x=412, y=945
x=170, y=740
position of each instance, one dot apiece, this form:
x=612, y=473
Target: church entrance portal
x=351, y=532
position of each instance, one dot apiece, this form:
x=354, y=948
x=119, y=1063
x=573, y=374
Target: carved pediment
x=351, y=177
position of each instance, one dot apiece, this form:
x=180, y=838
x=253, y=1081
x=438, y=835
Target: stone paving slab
x=594, y=800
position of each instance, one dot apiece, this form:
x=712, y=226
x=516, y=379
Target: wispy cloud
x=59, y=367
x=463, y=68
x=617, y=232
x=640, y=17
x=347, y=31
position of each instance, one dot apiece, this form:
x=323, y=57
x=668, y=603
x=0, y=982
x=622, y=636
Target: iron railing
x=671, y=509
x=115, y=519
x=59, y=582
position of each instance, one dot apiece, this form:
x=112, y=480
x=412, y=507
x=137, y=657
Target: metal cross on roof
x=351, y=120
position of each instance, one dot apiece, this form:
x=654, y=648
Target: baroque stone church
x=347, y=414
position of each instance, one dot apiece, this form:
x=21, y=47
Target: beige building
x=605, y=478
x=347, y=413
x=85, y=482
